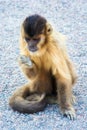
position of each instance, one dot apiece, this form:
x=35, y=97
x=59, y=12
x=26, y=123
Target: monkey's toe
x=69, y=113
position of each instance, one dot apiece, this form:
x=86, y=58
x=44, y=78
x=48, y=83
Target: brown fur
x=51, y=60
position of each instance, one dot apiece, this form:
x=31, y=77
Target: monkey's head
x=35, y=30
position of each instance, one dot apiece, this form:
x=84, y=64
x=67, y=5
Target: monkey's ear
x=49, y=29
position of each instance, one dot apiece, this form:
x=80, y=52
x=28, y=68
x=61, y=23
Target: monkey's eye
x=27, y=39
x=36, y=39
x=49, y=30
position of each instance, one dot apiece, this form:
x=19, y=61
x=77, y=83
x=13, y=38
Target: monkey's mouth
x=33, y=49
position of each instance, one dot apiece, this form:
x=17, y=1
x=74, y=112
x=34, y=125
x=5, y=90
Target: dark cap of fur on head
x=34, y=25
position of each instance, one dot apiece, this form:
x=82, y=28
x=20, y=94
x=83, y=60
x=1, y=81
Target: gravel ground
x=69, y=17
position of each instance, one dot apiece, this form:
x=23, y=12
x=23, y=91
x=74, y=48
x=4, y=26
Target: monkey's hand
x=27, y=66
x=25, y=60
x=70, y=113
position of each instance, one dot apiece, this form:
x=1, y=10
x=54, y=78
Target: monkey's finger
x=29, y=62
x=24, y=60
x=70, y=114
x=21, y=59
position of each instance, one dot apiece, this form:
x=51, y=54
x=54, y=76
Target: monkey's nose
x=33, y=48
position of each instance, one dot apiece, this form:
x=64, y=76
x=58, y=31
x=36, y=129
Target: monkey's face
x=35, y=43
x=35, y=33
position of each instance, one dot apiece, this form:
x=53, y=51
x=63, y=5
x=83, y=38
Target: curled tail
x=31, y=104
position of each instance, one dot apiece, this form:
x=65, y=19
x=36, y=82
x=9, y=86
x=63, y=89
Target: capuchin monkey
x=46, y=64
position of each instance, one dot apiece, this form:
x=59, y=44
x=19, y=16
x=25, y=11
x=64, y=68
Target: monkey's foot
x=35, y=97
x=69, y=113
x=25, y=60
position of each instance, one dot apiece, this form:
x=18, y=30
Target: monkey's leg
x=19, y=102
x=64, y=98
x=27, y=66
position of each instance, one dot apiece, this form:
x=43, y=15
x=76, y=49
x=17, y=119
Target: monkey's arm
x=65, y=98
x=65, y=78
x=27, y=66
x=72, y=71
x=62, y=69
